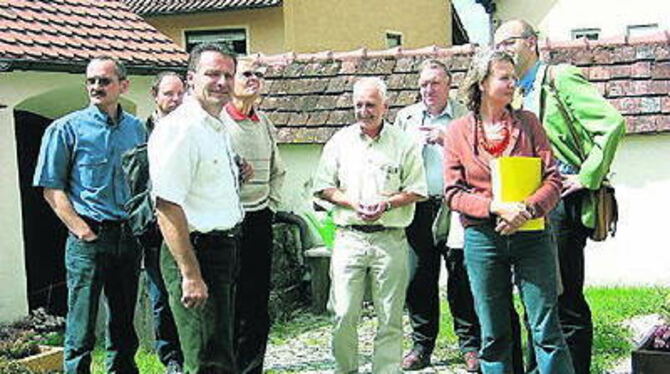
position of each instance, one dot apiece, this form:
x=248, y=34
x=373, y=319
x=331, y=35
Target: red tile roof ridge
x=363, y=53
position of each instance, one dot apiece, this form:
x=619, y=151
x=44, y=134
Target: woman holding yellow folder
x=495, y=248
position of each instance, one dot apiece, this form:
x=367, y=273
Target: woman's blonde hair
x=480, y=69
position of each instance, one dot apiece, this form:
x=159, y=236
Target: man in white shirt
x=196, y=186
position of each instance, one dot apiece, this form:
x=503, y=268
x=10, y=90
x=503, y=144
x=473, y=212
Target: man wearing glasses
x=79, y=167
x=253, y=139
x=585, y=131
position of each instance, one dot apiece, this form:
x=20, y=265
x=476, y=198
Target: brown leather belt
x=367, y=228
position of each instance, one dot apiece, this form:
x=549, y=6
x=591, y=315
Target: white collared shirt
x=192, y=164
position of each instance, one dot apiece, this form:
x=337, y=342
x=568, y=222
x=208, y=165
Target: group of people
x=404, y=196
x=408, y=194
x=213, y=173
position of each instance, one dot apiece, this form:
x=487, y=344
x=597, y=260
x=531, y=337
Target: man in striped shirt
x=252, y=136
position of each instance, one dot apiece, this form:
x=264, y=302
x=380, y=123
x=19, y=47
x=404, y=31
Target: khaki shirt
x=370, y=170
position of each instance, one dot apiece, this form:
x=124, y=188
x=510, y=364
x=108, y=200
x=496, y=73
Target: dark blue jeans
x=165, y=331
x=491, y=259
x=110, y=264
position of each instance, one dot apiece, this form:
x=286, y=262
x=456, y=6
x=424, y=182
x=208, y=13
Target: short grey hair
x=433, y=63
x=375, y=82
x=121, y=71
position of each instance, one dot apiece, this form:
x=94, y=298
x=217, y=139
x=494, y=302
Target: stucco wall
x=317, y=25
x=301, y=161
x=265, y=26
x=556, y=18
x=14, y=90
x=639, y=253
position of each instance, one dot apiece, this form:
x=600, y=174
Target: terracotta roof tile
x=158, y=7
x=69, y=32
x=309, y=96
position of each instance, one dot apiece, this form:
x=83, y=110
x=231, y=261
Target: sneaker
x=174, y=367
x=471, y=362
x=415, y=360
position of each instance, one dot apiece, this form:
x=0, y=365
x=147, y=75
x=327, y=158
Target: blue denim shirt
x=81, y=155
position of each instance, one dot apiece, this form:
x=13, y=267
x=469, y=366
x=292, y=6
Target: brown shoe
x=471, y=362
x=415, y=360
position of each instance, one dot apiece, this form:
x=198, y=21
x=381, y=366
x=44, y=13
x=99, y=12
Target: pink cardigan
x=468, y=176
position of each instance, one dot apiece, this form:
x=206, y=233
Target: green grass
x=147, y=362
x=610, y=307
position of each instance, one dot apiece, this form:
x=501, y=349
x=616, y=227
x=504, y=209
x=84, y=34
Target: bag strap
x=562, y=108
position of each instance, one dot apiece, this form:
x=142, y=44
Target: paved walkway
x=309, y=352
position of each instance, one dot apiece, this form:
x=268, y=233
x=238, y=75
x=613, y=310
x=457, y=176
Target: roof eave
x=197, y=11
x=8, y=65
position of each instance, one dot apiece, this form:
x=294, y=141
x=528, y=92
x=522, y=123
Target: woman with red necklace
x=494, y=248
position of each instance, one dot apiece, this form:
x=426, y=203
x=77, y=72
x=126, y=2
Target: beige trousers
x=380, y=257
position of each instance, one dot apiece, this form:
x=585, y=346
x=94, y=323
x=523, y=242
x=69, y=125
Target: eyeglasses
x=101, y=81
x=248, y=74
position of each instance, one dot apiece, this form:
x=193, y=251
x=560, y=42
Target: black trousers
x=423, y=301
x=252, y=321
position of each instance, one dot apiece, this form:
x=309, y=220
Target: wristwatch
x=531, y=210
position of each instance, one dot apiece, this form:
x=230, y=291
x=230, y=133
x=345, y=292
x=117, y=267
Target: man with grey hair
x=373, y=174
x=424, y=122
x=79, y=167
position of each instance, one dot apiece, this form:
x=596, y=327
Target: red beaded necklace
x=493, y=147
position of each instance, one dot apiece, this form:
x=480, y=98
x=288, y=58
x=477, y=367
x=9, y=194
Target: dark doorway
x=43, y=234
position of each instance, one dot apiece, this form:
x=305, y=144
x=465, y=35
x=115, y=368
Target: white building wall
x=640, y=252
x=557, y=18
x=14, y=89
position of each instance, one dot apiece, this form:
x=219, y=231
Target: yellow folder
x=514, y=179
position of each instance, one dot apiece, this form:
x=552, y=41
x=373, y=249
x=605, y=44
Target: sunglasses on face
x=101, y=81
x=249, y=74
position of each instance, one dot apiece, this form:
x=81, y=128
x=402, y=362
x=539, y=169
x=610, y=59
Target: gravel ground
x=309, y=352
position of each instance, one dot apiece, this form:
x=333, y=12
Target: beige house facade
x=299, y=26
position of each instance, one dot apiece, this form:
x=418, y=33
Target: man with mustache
x=584, y=130
x=373, y=173
x=424, y=122
x=79, y=166
x=195, y=182
x=253, y=139
x=167, y=91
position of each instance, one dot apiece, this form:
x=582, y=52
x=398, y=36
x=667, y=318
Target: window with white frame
x=586, y=33
x=234, y=39
x=640, y=30
x=393, y=39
